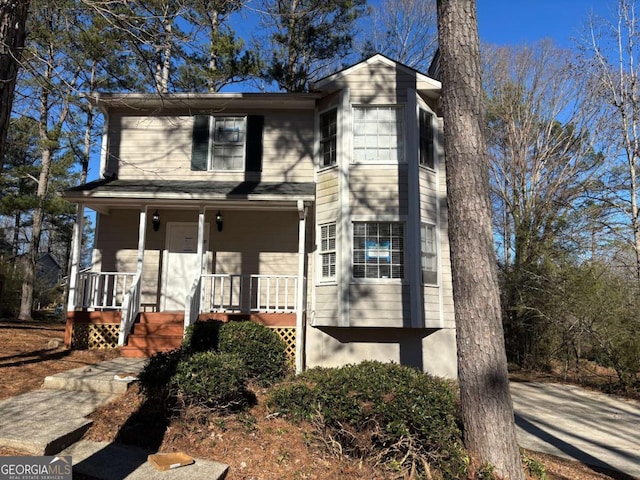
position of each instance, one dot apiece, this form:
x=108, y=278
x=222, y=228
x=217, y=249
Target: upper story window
x=378, y=134
x=227, y=143
x=328, y=138
x=427, y=154
x=378, y=250
x=429, y=254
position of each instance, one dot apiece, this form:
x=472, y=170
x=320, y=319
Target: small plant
x=261, y=349
x=155, y=378
x=533, y=467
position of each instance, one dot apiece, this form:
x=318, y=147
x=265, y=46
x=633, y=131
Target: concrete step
x=97, y=378
x=44, y=422
x=114, y=461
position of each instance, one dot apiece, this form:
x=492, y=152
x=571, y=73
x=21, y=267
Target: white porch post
x=300, y=294
x=76, y=246
x=200, y=250
x=142, y=233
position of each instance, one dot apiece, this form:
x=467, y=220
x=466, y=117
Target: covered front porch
x=226, y=259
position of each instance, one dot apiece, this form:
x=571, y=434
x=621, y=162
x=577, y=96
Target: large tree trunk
x=487, y=409
x=13, y=18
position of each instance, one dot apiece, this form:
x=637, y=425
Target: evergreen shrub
x=386, y=411
x=261, y=349
x=212, y=380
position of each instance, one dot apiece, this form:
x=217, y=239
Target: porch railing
x=249, y=293
x=192, y=308
x=130, y=309
x=102, y=290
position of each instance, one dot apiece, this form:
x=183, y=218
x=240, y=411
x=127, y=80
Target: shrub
x=212, y=380
x=261, y=349
x=383, y=410
x=155, y=377
x=201, y=337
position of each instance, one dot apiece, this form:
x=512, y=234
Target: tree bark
x=487, y=409
x=13, y=18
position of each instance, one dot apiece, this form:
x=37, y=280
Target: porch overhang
x=101, y=195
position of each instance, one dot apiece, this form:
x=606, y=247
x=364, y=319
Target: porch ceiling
x=106, y=193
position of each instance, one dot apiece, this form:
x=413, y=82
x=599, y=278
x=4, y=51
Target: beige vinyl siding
x=257, y=242
x=381, y=84
x=325, y=313
x=159, y=147
x=379, y=305
x=378, y=190
x=327, y=196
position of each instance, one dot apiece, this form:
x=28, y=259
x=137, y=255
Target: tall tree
x=486, y=406
x=542, y=127
x=50, y=81
x=405, y=30
x=611, y=55
x=13, y=18
x=307, y=37
x=220, y=57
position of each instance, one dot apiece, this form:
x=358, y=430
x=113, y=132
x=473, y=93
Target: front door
x=182, y=263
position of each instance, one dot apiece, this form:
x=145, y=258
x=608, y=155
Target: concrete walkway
x=53, y=420
x=571, y=422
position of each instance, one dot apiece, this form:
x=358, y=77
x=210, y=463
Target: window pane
x=378, y=134
x=228, y=143
x=378, y=250
x=429, y=261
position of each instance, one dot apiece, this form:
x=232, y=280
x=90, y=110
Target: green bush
x=384, y=410
x=201, y=337
x=155, y=377
x=212, y=380
x=261, y=349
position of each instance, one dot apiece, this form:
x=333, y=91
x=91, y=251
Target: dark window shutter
x=255, y=124
x=200, y=146
x=427, y=157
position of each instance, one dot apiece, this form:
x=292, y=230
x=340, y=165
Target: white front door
x=182, y=263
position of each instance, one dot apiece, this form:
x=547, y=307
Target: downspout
x=301, y=291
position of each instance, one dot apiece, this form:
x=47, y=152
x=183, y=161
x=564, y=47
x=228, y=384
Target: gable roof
x=423, y=82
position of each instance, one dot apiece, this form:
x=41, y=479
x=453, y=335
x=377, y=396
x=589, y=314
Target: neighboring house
x=321, y=212
x=48, y=271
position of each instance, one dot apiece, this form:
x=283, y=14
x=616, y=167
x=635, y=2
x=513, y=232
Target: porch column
x=76, y=246
x=201, y=252
x=300, y=294
x=142, y=234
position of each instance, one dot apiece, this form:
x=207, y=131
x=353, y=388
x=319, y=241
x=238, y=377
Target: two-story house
x=320, y=214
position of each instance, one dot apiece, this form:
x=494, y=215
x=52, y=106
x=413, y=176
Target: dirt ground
x=256, y=444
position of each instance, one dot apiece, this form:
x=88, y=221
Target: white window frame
x=373, y=250
x=382, y=142
x=331, y=139
x=214, y=142
x=325, y=251
x=429, y=253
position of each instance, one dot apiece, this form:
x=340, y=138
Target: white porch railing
x=192, y=309
x=249, y=293
x=102, y=290
x=130, y=309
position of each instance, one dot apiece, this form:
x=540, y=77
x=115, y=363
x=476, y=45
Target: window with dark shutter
x=200, y=145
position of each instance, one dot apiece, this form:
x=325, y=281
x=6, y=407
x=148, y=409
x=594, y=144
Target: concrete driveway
x=571, y=422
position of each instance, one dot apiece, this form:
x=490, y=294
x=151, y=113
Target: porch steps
x=154, y=332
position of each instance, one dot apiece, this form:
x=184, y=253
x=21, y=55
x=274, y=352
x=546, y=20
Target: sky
x=515, y=22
